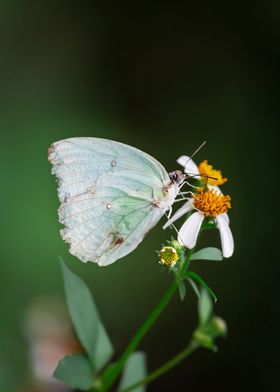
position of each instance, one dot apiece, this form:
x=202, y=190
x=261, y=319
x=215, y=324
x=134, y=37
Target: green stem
x=116, y=370
x=186, y=263
x=109, y=376
x=193, y=345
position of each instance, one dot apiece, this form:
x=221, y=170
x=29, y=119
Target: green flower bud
x=205, y=335
x=217, y=327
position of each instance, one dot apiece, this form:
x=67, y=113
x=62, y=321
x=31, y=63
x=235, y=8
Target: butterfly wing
x=107, y=192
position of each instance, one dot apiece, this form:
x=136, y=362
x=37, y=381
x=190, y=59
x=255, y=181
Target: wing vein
x=89, y=234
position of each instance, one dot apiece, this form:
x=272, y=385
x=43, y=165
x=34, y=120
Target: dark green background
x=163, y=78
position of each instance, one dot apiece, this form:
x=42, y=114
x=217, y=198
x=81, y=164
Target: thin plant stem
x=116, y=370
x=186, y=263
x=193, y=345
x=112, y=374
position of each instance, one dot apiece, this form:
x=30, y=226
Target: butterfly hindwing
x=106, y=191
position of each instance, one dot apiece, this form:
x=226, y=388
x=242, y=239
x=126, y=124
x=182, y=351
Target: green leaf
x=194, y=287
x=75, y=371
x=196, y=277
x=205, y=308
x=135, y=370
x=182, y=290
x=85, y=318
x=208, y=254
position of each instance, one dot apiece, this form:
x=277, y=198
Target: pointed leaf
x=86, y=320
x=75, y=371
x=196, y=277
x=182, y=290
x=208, y=254
x=135, y=370
x=194, y=286
x=205, y=307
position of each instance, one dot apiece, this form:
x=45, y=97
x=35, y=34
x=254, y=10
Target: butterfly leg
x=183, y=183
x=186, y=182
x=169, y=212
x=189, y=184
x=186, y=193
x=175, y=228
x=182, y=198
x=172, y=224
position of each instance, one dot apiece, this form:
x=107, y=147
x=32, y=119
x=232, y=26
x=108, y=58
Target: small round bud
x=218, y=327
x=168, y=256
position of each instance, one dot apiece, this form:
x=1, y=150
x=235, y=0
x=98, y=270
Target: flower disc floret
x=168, y=256
x=211, y=203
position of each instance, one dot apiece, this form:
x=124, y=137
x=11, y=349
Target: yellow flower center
x=211, y=203
x=207, y=170
x=168, y=256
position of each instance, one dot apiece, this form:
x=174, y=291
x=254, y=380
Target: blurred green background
x=163, y=78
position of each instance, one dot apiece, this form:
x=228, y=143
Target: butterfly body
x=111, y=195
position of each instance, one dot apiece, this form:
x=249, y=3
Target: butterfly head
x=172, y=189
x=177, y=177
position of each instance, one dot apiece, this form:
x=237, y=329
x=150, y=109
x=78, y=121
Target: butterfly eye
x=177, y=177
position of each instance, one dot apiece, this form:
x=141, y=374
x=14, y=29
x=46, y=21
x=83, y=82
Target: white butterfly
x=111, y=195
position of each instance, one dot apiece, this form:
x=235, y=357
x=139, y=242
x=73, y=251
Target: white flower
x=190, y=167
x=210, y=203
x=203, y=171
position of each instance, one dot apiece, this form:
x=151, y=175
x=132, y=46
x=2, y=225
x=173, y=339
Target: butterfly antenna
x=202, y=175
x=196, y=151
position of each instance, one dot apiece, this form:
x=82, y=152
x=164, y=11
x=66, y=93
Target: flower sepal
x=181, y=250
x=204, y=340
x=208, y=224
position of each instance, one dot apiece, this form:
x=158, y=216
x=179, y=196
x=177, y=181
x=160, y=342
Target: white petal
x=226, y=236
x=225, y=217
x=188, y=233
x=188, y=206
x=189, y=166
